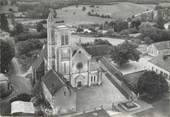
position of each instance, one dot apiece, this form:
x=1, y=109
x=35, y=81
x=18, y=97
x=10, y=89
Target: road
x=20, y=85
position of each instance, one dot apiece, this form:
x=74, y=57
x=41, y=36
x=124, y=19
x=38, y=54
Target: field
x=111, y=1
x=75, y=15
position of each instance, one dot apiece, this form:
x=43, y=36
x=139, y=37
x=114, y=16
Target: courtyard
x=97, y=96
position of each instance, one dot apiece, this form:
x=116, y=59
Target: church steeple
x=51, y=15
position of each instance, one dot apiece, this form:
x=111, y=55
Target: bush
x=7, y=52
x=24, y=47
x=84, y=8
x=4, y=93
x=151, y=84
x=21, y=97
x=155, y=34
x=120, y=25
x=129, y=31
x=35, y=35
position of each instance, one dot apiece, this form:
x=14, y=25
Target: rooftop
x=3, y=77
x=162, y=45
x=162, y=61
x=22, y=107
x=53, y=81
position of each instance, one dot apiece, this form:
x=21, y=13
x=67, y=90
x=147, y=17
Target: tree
x=24, y=47
x=79, y=29
x=148, y=40
x=40, y=27
x=129, y=31
x=160, y=22
x=122, y=53
x=154, y=33
x=7, y=53
x=120, y=25
x=135, y=24
x=152, y=84
x=101, y=42
x=4, y=22
x=21, y=97
x=84, y=8
x=18, y=29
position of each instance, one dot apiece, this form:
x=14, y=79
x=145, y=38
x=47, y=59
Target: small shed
x=22, y=108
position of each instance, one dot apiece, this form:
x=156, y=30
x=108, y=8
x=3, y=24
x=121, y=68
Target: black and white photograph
x=85, y=58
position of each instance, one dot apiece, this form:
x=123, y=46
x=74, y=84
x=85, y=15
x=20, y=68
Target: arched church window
x=94, y=78
x=65, y=69
x=62, y=40
x=53, y=52
x=66, y=39
x=91, y=78
x=53, y=37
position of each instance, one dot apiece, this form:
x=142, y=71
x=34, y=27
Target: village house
x=167, y=26
x=21, y=108
x=161, y=65
x=158, y=48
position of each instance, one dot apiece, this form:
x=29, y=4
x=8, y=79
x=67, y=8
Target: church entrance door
x=80, y=81
x=79, y=84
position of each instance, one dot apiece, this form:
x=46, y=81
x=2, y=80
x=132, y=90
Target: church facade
x=70, y=59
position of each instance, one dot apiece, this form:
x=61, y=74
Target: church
x=72, y=79
x=70, y=59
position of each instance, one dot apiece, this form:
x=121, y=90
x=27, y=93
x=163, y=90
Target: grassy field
x=75, y=15
x=111, y=1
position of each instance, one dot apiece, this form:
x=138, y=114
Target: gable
x=82, y=52
x=80, y=61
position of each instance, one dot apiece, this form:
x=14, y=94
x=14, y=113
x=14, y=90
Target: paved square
x=94, y=97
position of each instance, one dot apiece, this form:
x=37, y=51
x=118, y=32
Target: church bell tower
x=59, y=47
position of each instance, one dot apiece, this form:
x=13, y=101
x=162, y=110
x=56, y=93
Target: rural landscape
x=85, y=58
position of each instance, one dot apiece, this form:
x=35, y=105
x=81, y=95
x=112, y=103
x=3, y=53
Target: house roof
x=22, y=107
x=53, y=81
x=96, y=113
x=162, y=45
x=80, y=48
x=3, y=77
x=133, y=78
x=162, y=61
